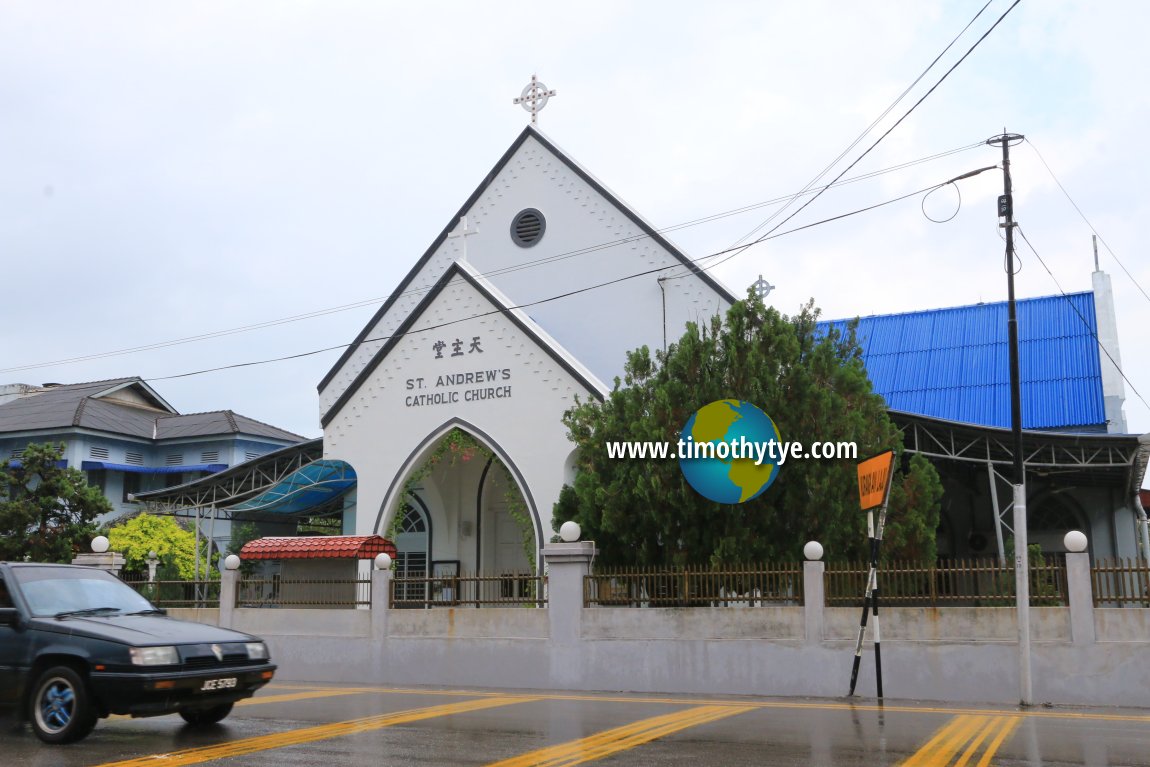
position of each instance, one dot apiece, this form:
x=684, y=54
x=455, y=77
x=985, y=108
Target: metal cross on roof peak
x=534, y=97
x=761, y=287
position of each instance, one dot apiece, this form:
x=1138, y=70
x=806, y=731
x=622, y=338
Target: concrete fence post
x=228, y=581
x=814, y=601
x=1081, y=596
x=567, y=564
x=380, y=599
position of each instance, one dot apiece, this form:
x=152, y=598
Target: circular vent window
x=527, y=228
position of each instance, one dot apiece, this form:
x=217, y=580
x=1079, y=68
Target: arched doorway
x=460, y=483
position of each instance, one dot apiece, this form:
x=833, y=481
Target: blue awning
x=211, y=468
x=16, y=463
x=306, y=488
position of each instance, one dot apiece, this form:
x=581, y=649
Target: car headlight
x=154, y=656
x=257, y=650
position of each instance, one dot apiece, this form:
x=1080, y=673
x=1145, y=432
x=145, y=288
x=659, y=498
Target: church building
x=475, y=339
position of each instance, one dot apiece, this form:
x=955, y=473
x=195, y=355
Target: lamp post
x=153, y=562
x=1021, y=560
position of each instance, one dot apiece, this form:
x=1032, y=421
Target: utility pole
x=1021, y=559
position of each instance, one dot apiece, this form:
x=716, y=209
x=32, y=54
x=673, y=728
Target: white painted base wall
x=1081, y=655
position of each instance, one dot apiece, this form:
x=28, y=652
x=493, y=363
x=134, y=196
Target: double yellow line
x=311, y=734
x=629, y=736
x=965, y=734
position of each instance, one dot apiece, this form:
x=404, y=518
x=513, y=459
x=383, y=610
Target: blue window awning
x=16, y=463
x=211, y=468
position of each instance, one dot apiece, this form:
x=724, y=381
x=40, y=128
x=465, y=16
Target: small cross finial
x=462, y=233
x=533, y=98
x=761, y=287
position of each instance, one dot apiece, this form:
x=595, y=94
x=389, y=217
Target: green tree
x=813, y=385
x=242, y=533
x=47, y=513
x=174, y=545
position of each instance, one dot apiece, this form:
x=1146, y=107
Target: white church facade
x=529, y=299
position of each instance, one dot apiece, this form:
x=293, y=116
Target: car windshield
x=54, y=590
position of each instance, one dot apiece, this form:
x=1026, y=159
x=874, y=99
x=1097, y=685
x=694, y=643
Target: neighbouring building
x=127, y=438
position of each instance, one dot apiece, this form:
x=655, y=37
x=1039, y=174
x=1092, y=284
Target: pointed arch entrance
x=474, y=498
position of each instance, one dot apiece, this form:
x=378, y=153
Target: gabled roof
x=954, y=363
x=528, y=132
x=124, y=406
x=318, y=547
x=219, y=422
x=90, y=405
x=500, y=304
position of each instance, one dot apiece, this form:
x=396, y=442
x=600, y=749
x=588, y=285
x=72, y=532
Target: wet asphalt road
x=314, y=725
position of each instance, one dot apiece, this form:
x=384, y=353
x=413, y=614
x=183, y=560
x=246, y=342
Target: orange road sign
x=874, y=480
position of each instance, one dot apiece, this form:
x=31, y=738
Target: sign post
x=875, y=476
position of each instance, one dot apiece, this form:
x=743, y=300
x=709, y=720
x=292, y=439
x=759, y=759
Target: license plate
x=226, y=683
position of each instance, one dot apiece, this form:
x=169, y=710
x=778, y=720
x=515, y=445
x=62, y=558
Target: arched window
x=413, y=545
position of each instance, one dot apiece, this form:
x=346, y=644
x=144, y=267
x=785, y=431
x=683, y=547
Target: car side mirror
x=9, y=616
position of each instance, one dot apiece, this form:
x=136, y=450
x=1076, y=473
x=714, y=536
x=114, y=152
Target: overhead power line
x=1093, y=332
x=810, y=184
x=549, y=299
x=1085, y=219
x=869, y=149
x=493, y=273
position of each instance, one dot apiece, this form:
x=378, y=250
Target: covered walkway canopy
x=290, y=481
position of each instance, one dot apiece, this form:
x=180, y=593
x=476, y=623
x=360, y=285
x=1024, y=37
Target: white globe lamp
x=813, y=551
x=1075, y=541
x=569, y=531
x=100, y=544
x=383, y=562
x=232, y=562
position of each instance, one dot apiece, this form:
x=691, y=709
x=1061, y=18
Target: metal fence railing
x=746, y=585
x=1121, y=582
x=177, y=593
x=275, y=591
x=469, y=591
x=955, y=582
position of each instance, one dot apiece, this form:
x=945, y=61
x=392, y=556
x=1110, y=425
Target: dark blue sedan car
x=78, y=644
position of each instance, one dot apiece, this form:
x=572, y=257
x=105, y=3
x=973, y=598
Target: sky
x=173, y=170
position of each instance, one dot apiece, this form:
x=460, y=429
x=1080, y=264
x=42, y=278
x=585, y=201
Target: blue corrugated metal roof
x=954, y=363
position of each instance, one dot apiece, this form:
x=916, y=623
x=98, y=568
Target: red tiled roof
x=318, y=547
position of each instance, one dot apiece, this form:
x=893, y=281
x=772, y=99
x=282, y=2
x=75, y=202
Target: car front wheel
x=61, y=709
x=203, y=716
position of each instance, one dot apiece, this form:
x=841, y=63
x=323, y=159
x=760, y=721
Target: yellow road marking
x=965, y=730
x=311, y=734
x=948, y=741
x=983, y=732
x=1007, y=727
x=298, y=696
x=282, y=698
x=613, y=741
x=1142, y=719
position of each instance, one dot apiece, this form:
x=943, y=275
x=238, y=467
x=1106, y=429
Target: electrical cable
x=868, y=129
x=567, y=294
x=493, y=273
x=872, y=146
x=957, y=207
x=1084, y=218
x=1093, y=332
